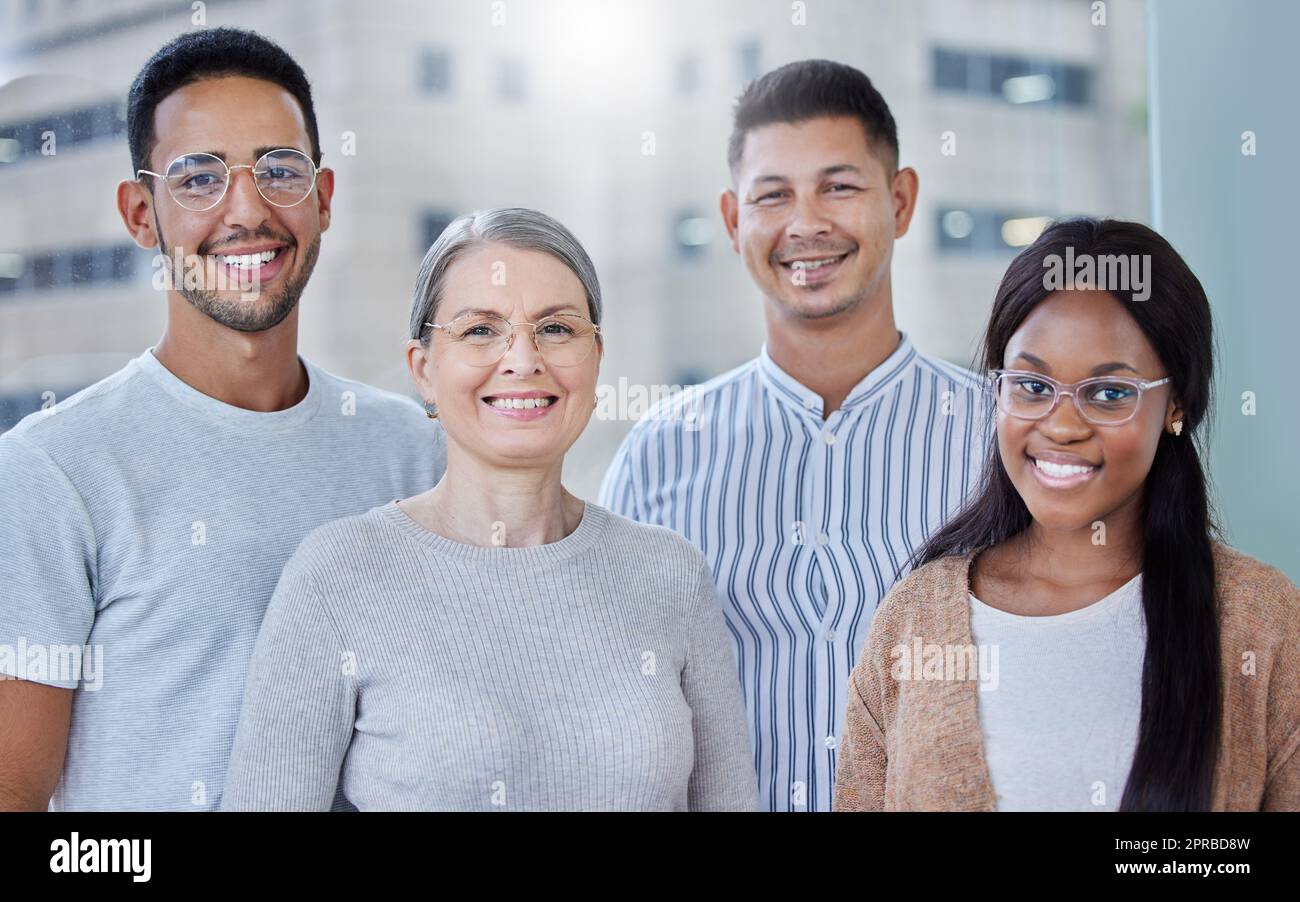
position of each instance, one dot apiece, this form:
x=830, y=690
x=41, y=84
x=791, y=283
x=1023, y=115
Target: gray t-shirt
x=591, y=673
x=144, y=526
x=1060, y=721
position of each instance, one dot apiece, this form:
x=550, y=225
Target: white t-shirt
x=144, y=526
x=1060, y=721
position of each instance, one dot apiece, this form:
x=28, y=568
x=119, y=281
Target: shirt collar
x=791, y=391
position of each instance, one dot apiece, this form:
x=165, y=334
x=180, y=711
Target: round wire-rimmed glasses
x=198, y=181
x=482, y=339
x=1101, y=400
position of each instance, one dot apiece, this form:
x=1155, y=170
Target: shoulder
x=926, y=600
x=657, y=547
x=95, y=409
x=1253, y=593
x=958, y=377
x=339, y=551
x=656, y=559
x=930, y=602
x=388, y=404
x=386, y=415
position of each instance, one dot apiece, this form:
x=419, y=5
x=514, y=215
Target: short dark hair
x=810, y=89
x=210, y=53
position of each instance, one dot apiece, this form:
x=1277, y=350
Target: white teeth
x=1054, y=469
x=248, y=261
x=813, y=264
x=519, y=403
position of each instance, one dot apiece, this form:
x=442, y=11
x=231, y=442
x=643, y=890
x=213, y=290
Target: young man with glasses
x=808, y=475
x=146, y=519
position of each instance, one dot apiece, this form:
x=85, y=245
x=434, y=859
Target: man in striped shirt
x=808, y=475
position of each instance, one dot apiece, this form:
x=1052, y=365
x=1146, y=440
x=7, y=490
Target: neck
x=251, y=370
x=1078, y=557
x=479, y=503
x=832, y=354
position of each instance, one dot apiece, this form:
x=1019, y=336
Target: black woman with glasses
x=1078, y=637
x=495, y=643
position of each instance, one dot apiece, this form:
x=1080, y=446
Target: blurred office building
x=612, y=117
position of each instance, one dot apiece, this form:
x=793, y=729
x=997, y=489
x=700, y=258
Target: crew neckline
x=1131, y=590
x=228, y=414
x=589, y=530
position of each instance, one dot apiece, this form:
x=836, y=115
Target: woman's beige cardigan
x=914, y=744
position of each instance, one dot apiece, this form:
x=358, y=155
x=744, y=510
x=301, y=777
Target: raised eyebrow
x=258, y=152
x=263, y=151
x=840, y=168
x=219, y=154
x=1099, y=370
x=1112, y=367
x=1041, y=364
x=472, y=311
x=557, y=308
x=483, y=311
x=837, y=169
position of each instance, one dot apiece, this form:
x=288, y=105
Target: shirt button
x=822, y=538
x=830, y=635
x=810, y=402
x=830, y=742
x=828, y=438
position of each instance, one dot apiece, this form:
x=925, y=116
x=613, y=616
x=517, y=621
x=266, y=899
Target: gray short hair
x=517, y=227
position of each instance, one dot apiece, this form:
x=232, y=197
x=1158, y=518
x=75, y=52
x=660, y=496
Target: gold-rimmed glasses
x=198, y=181
x=481, y=338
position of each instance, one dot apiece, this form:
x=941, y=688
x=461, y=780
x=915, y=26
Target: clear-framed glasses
x=198, y=181
x=1101, y=400
x=482, y=339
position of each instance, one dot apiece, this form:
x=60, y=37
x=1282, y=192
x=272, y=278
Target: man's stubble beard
x=851, y=302
x=252, y=315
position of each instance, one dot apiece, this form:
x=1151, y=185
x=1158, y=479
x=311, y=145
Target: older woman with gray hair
x=496, y=643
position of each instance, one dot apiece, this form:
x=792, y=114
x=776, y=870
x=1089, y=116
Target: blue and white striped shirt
x=806, y=523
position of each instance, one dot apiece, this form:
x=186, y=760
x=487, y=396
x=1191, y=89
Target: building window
x=972, y=231
x=750, y=58
x=432, y=224
x=511, y=80
x=1013, y=79
x=82, y=267
x=691, y=234
x=71, y=128
x=77, y=267
x=686, y=75
x=435, y=71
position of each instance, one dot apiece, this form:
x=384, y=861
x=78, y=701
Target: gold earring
x=430, y=410
x=1177, y=426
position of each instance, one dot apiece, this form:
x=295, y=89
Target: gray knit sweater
x=419, y=673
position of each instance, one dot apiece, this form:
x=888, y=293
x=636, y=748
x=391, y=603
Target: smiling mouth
x=249, y=262
x=519, y=403
x=812, y=264
x=1063, y=476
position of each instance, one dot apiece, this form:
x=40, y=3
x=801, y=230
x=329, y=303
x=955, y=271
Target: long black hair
x=1182, y=709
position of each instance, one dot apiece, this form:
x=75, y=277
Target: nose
x=1065, y=424
x=244, y=205
x=522, y=357
x=809, y=218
